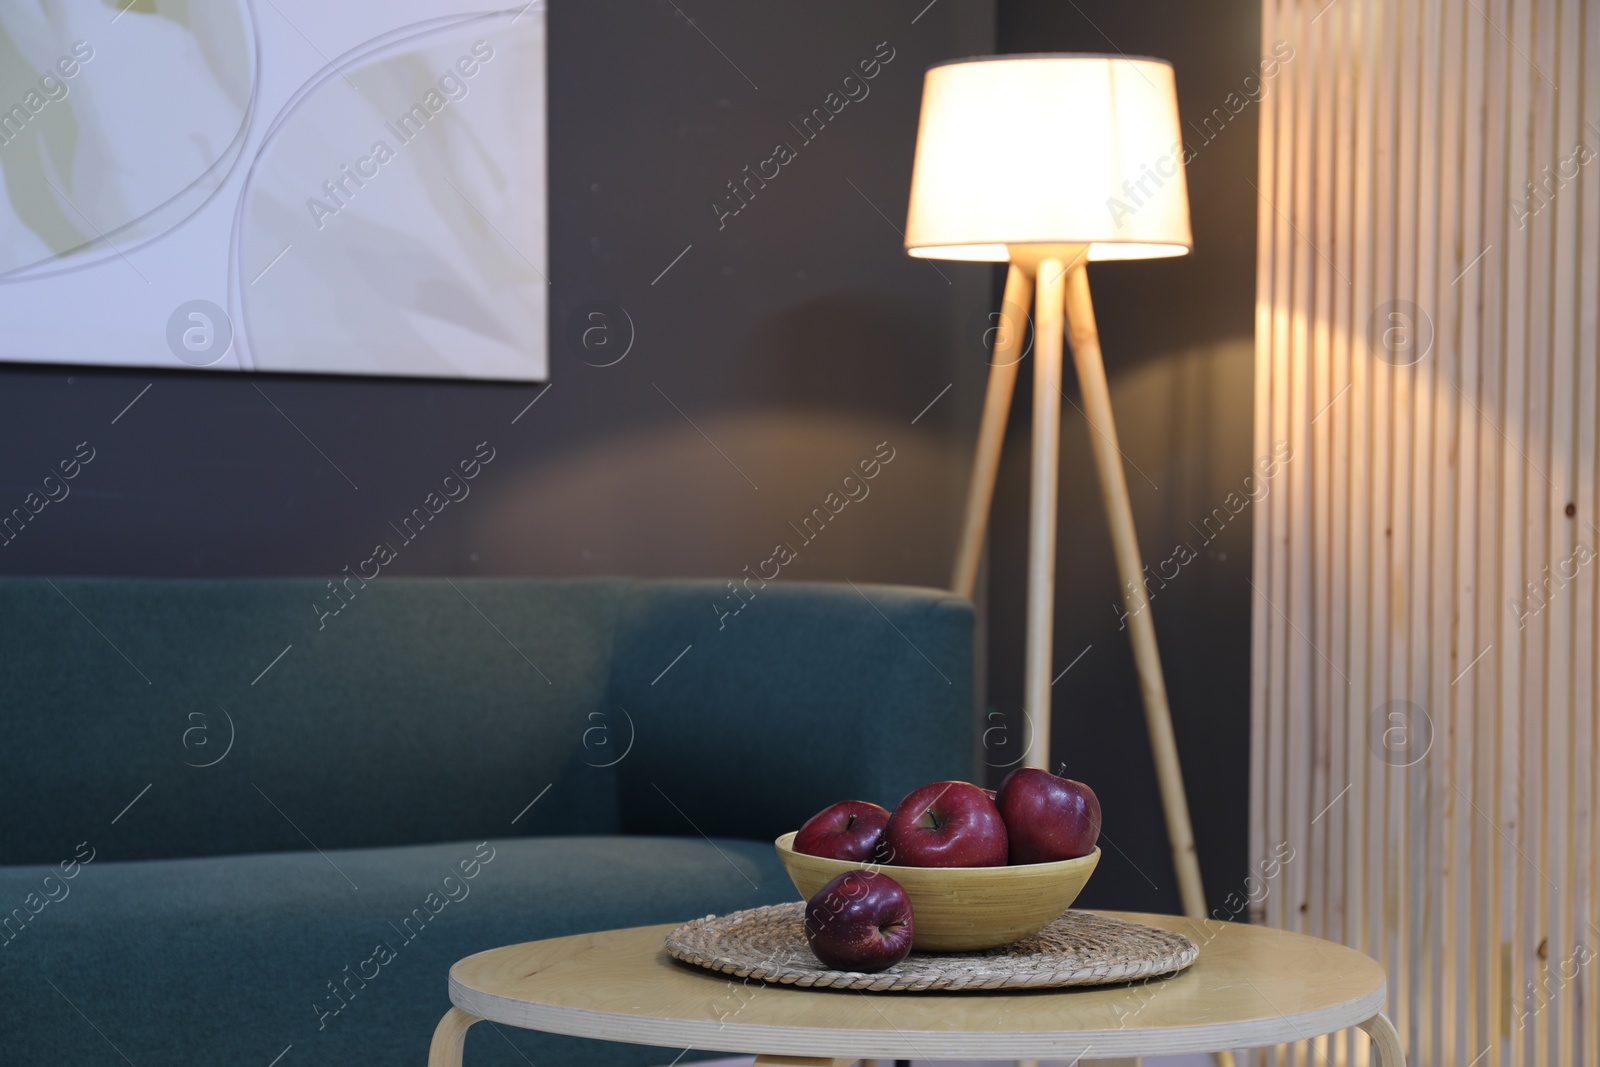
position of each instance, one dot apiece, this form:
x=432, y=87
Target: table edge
x=730, y=1035
x=735, y=1037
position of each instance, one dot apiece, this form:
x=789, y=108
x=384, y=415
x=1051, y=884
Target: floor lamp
x=1049, y=162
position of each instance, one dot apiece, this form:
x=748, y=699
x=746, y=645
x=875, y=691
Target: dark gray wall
x=795, y=337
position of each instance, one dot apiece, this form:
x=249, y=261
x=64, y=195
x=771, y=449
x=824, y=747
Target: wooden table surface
x=1251, y=986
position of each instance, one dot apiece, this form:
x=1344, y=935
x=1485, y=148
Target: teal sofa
x=239, y=826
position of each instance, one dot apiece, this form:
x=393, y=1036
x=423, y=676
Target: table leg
x=799, y=1061
x=1385, y=1041
x=449, y=1036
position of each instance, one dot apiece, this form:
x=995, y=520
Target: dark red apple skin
x=848, y=830
x=860, y=921
x=1048, y=818
x=946, y=824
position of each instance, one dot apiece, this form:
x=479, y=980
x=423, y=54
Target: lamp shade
x=1049, y=149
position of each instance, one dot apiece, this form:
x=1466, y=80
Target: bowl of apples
x=954, y=868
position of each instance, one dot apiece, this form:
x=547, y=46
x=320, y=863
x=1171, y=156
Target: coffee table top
x=1251, y=986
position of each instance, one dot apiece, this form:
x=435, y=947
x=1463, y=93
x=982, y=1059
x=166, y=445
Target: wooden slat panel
x=1419, y=547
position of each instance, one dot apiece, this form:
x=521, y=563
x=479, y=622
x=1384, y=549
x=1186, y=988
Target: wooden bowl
x=962, y=909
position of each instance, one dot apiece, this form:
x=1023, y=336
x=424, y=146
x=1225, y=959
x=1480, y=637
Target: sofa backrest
x=159, y=718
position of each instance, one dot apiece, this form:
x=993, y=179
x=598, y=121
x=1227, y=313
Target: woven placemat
x=1077, y=949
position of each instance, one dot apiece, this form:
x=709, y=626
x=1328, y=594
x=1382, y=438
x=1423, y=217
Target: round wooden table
x=1251, y=986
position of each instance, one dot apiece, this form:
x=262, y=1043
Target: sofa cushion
x=342, y=955
x=422, y=712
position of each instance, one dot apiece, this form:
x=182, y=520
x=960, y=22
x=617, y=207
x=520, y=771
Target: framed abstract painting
x=284, y=185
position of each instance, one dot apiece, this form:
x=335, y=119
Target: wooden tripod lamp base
x=1063, y=307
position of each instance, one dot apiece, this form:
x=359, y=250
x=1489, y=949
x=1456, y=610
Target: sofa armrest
x=744, y=725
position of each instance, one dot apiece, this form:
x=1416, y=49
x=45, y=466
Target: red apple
x=1048, y=818
x=848, y=830
x=860, y=921
x=946, y=824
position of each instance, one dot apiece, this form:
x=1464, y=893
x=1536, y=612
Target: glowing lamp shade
x=1049, y=149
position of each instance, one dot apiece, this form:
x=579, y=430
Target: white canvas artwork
x=354, y=187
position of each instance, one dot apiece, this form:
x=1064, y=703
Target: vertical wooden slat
x=1283, y=308
x=1260, y=526
x=1421, y=538
x=1542, y=689
x=1296, y=596
x=1488, y=285
x=1263, y=711
x=1426, y=556
x=1388, y=454
x=1437, y=886
x=1319, y=365
x=1513, y=420
x=1406, y=680
x=1363, y=543
x=1558, y=925
x=1277, y=562
x=1295, y=593
x=1586, y=634
x=1337, y=414
x=1464, y=949
x=1329, y=678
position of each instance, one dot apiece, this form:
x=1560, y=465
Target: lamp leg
x=1130, y=568
x=992, y=431
x=1043, y=478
